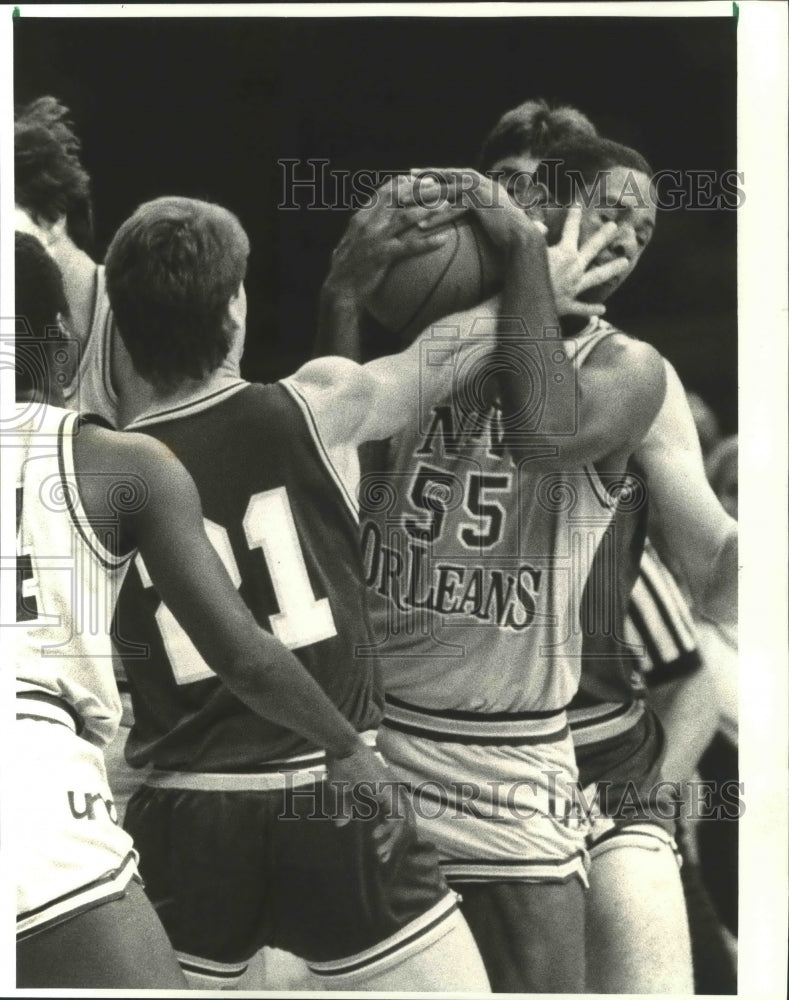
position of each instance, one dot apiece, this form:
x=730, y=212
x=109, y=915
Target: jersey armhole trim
x=72, y=497
x=596, y=331
x=607, y=499
x=323, y=451
x=105, y=344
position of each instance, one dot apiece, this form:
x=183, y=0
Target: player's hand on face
x=570, y=266
x=406, y=216
x=363, y=781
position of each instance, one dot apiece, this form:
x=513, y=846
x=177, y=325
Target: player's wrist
x=526, y=236
x=346, y=748
x=341, y=299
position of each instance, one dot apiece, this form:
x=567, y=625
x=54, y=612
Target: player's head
x=519, y=139
x=41, y=308
x=612, y=183
x=51, y=187
x=175, y=273
x=722, y=472
x=540, y=153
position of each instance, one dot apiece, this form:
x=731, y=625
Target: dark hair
x=530, y=129
x=171, y=271
x=49, y=179
x=39, y=298
x=584, y=157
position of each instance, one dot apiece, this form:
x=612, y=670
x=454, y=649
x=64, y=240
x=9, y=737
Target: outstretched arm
x=695, y=531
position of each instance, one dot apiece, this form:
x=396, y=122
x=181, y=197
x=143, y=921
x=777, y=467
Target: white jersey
x=67, y=581
x=475, y=566
x=91, y=390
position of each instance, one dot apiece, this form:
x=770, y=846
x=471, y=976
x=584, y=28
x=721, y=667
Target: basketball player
x=53, y=203
x=276, y=469
x=391, y=236
x=476, y=569
x=87, y=497
x=636, y=941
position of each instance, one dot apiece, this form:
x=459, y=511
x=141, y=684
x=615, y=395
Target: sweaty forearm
x=529, y=337
x=338, y=325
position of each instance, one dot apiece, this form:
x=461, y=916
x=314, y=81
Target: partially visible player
x=276, y=467
x=636, y=940
x=476, y=574
x=681, y=689
x=86, y=499
x=53, y=203
x=52, y=192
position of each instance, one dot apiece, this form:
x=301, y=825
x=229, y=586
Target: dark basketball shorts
x=253, y=860
x=619, y=756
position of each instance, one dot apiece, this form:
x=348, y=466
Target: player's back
x=286, y=531
x=67, y=580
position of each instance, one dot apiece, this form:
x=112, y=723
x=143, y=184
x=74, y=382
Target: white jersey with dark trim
x=475, y=565
x=91, y=390
x=67, y=580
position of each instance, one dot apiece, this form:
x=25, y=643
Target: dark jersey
x=278, y=514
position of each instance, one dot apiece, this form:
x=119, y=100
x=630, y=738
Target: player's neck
x=141, y=399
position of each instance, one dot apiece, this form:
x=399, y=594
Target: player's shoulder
x=129, y=454
x=634, y=371
x=636, y=359
x=333, y=388
x=324, y=374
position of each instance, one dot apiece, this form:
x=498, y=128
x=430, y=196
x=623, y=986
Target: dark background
x=206, y=107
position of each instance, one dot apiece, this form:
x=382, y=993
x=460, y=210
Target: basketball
x=419, y=290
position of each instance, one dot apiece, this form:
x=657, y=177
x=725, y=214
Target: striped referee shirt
x=659, y=620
